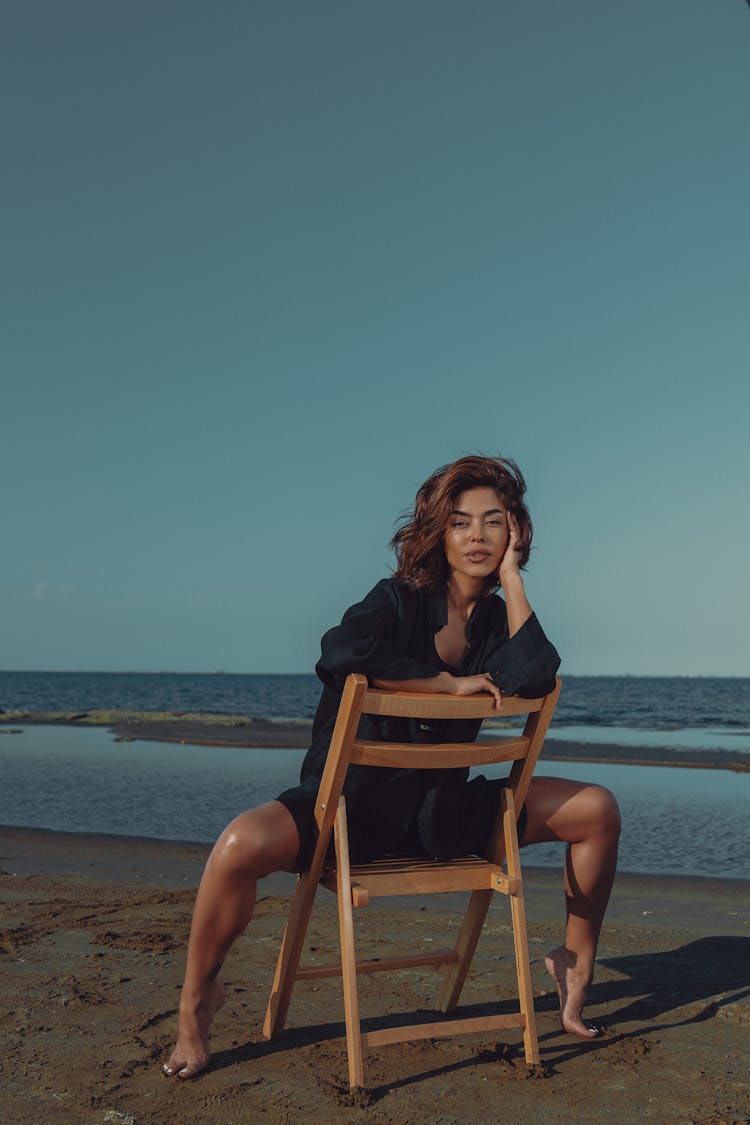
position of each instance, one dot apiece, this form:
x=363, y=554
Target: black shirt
x=390, y=635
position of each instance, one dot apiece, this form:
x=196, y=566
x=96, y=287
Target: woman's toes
x=578, y=1027
x=184, y=1069
x=192, y=1070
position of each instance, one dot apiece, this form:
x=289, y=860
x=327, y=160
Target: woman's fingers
x=495, y=691
x=470, y=685
x=484, y=683
x=512, y=554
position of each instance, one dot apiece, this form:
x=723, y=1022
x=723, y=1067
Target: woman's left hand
x=471, y=685
x=510, y=562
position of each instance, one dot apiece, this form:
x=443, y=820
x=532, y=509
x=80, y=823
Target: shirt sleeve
x=525, y=664
x=372, y=639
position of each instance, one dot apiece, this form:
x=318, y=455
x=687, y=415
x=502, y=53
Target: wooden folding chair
x=354, y=885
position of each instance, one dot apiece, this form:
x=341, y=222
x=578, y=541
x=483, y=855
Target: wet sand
x=92, y=942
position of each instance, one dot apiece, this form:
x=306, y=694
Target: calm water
x=676, y=821
x=81, y=780
x=686, y=713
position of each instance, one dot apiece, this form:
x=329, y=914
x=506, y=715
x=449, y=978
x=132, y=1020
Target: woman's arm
x=525, y=662
x=450, y=685
x=516, y=602
x=370, y=639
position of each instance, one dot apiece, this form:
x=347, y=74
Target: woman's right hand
x=471, y=685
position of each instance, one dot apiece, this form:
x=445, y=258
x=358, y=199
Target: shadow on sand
x=711, y=972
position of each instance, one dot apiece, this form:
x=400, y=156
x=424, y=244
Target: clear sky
x=266, y=265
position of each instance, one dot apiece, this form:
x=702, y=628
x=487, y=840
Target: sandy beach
x=92, y=944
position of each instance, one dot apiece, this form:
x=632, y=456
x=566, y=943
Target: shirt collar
x=437, y=609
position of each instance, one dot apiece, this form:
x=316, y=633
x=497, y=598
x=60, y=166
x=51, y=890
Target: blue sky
x=266, y=265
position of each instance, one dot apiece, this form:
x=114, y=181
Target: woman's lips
x=477, y=556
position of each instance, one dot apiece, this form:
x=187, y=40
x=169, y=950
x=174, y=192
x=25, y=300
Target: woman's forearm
x=451, y=685
x=442, y=682
x=516, y=602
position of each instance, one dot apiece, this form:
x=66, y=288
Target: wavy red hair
x=418, y=543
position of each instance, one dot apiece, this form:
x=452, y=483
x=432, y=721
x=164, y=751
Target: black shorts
x=450, y=822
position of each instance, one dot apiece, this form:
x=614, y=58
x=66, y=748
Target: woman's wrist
x=441, y=682
x=510, y=577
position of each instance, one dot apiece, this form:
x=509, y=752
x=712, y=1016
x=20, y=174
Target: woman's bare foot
x=191, y=1054
x=570, y=983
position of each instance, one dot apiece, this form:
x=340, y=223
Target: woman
x=435, y=626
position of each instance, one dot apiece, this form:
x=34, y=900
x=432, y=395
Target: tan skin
x=482, y=537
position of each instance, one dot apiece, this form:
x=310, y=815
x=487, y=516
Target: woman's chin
x=478, y=572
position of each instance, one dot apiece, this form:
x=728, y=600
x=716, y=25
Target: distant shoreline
x=152, y=860
x=244, y=731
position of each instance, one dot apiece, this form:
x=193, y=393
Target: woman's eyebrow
x=489, y=512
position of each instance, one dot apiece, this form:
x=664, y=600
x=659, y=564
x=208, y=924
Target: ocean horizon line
x=226, y=672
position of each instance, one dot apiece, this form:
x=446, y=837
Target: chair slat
x=395, y=863
x=408, y=879
x=438, y=755
x=420, y=705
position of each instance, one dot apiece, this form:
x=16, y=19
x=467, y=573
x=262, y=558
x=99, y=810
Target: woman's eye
x=460, y=523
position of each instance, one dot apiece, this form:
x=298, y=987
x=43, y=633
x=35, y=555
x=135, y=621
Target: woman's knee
x=561, y=809
x=256, y=843
x=602, y=810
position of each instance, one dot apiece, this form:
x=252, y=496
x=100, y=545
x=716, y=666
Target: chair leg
x=466, y=944
x=348, y=956
x=471, y=927
x=520, y=939
x=289, y=956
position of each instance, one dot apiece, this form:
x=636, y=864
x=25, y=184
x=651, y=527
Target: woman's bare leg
x=253, y=845
x=587, y=818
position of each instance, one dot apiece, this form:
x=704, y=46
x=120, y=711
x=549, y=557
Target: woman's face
x=477, y=533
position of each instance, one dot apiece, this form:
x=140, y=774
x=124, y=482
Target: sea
x=677, y=821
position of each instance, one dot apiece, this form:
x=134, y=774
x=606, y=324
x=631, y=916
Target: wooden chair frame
x=354, y=885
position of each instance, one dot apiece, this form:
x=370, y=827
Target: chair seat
x=408, y=875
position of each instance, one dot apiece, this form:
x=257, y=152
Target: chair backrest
x=358, y=699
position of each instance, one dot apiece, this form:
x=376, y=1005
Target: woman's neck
x=464, y=593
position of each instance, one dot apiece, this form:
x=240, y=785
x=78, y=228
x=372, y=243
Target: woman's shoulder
x=398, y=588
x=401, y=597
x=396, y=592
